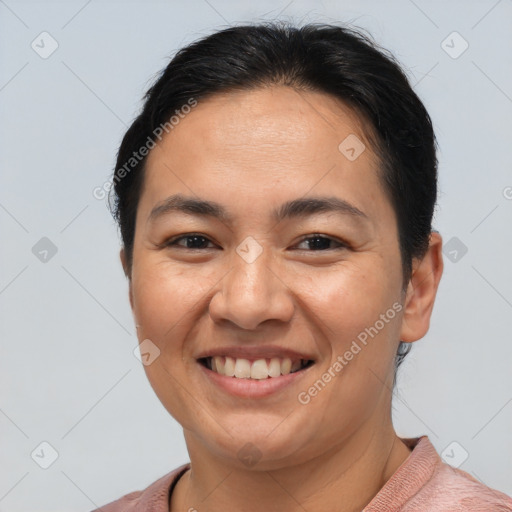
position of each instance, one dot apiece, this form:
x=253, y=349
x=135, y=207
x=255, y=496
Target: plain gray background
x=68, y=374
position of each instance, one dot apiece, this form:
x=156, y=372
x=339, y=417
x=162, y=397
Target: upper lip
x=255, y=352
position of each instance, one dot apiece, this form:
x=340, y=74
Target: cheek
x=165, y=299
x=358, y=314
x=347, y=299
x=164, y=296
x=360, y=349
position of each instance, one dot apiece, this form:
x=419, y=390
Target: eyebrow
x=297, y=208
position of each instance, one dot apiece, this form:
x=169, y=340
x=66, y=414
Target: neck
x=344, y=478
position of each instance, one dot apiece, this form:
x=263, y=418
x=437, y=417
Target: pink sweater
x=423, y=483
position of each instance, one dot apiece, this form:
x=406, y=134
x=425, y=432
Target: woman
x=275, y=200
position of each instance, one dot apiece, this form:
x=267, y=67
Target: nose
x=252, y=293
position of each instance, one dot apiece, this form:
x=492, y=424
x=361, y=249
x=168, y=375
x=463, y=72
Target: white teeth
x=218, y=365
x=229, y=367
x=259, y=369
x=242, y=369
x=286, y=366
x=274, y=368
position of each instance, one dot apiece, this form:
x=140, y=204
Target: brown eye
x=322, y=243
x=192, y=241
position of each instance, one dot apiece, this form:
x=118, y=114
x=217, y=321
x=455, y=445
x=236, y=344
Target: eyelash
x=173, y=242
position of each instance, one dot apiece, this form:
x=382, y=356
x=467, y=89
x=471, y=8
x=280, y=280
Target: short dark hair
x=336, y=60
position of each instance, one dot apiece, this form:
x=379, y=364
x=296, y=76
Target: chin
x=257, y=440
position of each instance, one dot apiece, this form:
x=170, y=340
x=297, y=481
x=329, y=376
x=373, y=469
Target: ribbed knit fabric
x=422, y=483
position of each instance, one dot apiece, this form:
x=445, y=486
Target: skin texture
x=252, y=151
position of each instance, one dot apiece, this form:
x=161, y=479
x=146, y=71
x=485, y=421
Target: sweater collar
x=405, y=482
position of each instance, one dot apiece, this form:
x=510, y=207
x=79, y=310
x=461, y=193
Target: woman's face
x=310, y=284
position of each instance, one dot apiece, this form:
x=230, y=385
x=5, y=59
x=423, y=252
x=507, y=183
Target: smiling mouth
x=258, y=369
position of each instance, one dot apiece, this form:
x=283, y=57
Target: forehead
x=274, y=118
x=278, y=141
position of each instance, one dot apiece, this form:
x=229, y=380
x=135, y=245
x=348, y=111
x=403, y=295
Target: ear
x=124, y=263
x=421, y=291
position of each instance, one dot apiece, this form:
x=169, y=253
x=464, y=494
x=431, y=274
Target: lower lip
x=252, y=388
